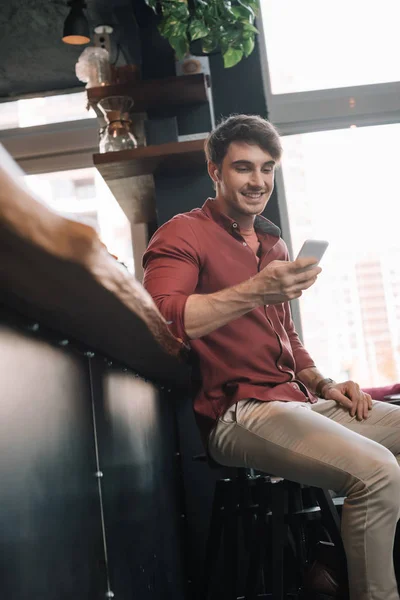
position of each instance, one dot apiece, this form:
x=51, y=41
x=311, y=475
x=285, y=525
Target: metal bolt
x=99, y=474
x=34, y=327
x=63, y=342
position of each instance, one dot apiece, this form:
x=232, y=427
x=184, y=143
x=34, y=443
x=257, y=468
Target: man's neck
x=244, y=221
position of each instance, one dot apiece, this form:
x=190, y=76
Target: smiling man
x=222, y=278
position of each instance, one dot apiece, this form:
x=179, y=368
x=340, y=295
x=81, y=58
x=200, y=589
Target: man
x=222, y=278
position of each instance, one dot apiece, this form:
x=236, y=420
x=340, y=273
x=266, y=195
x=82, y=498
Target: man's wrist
x=257, y=290
x=322, y=383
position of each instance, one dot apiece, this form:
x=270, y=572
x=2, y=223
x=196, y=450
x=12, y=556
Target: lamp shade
x=76, y=27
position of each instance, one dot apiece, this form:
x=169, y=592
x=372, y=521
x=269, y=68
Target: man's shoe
x=327, y=577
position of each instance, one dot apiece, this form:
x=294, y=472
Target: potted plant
x=227, y=25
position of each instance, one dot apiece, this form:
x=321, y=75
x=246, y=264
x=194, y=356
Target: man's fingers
x=307, y=275
x=303, y=263
x=367, y=405
x=366, y=409
x=357, y=402
x=360, y=409
x=342, y=399
x=308, y=284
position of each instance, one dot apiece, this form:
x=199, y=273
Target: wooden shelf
x=157, y=95
x=168, y=159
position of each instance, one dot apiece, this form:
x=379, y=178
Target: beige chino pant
x=322, y=445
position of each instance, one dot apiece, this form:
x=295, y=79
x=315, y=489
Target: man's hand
x=350, y=396
x=281, y=280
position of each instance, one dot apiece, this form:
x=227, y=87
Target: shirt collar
x=261, y=224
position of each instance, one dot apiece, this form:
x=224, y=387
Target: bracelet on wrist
x=321, y=384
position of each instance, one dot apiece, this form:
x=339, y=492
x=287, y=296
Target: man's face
x=245, y=180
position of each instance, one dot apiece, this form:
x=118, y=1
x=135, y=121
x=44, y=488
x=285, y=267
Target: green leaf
x=250, y=27
x=208, y=45
x=176, y=9
x=254, y=4
x=180, y=45
x=247, y=7
x=231, y=57
x=243, y=14
x=167, y=27
x=228, y=7
x=198, y=30
x=175, y=28
x=248, y=46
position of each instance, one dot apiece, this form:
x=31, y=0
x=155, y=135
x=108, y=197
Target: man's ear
x=213, y=171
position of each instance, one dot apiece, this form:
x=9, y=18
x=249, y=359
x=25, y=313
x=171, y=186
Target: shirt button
x=234, y=225
x=296, y=387
x=244, y=244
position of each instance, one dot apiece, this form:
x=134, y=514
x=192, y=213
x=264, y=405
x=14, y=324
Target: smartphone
x=313, y=249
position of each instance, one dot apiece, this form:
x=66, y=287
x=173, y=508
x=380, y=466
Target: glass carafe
x=117, y=134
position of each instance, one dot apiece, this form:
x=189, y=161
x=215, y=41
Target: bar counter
x=91, y=499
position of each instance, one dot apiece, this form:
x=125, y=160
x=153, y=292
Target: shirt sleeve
x=301, y=356
x=171, y=270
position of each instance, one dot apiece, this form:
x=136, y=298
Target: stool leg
x=214, y=539
x=278, y=539
x=258, y=539
x=230, y=534
x=245, y=501
x=331, y=520
x=330, y=516
x=296, y=523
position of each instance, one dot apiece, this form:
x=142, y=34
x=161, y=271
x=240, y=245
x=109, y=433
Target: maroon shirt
x=254, y=356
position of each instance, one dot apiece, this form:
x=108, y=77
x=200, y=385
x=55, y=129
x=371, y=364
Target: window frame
x=321, y=110
x=53, y=147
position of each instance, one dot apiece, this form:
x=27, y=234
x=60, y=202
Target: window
x=83, y=195
x=42, y=111
x=339, y=115
x=314, y=45
x=56, y=158
x=330, y=66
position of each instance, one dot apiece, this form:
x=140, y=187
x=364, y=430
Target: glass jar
x=117, y=134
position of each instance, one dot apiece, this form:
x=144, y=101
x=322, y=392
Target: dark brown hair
x=251, y=129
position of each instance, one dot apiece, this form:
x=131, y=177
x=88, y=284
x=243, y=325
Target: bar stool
x=268, y=508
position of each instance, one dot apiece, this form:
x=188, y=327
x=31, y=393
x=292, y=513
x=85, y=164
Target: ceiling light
x=76, y=27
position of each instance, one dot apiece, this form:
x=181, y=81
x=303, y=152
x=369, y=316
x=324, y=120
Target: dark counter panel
x=142, y=504
x=50, y=541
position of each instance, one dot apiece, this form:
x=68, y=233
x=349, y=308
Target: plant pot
x=195, y=49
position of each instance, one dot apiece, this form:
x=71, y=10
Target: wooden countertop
x=57, y=271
